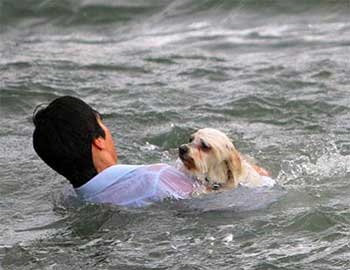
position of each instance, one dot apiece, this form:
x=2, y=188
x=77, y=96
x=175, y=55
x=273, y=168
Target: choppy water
x=273, y=75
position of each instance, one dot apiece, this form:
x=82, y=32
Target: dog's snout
x=183, y=149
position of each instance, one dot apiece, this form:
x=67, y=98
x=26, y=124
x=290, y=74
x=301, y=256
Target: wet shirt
x=137, y=185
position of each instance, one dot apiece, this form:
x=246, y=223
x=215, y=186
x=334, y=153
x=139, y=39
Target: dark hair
x=63, y=136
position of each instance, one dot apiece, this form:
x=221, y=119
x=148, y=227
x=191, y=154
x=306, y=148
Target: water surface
x=273, y=75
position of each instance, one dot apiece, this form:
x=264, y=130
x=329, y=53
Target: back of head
x=63, y=135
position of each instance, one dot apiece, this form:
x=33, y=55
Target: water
x=273, y=75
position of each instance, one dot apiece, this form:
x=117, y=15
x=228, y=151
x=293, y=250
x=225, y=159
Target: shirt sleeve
x=173, y=184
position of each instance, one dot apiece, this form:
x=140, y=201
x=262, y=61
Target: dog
x=213, y=160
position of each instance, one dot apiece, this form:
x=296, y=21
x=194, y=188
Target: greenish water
x=273, y=75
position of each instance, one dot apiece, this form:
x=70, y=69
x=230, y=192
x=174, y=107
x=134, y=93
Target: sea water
x=273, y=75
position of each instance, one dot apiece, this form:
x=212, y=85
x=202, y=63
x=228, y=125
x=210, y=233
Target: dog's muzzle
x=183, y=150
x=186, y=159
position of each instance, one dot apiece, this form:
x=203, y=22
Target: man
x=71, y=138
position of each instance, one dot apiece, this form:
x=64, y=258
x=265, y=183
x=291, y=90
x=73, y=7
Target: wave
x=277, y=111
x=97, y=12
x=73, y=12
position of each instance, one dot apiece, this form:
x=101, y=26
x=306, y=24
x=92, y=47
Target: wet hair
x=63, y=136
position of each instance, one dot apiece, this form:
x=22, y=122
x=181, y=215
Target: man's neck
x=102, y=160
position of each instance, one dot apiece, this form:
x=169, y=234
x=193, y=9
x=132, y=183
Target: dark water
x=273, y=75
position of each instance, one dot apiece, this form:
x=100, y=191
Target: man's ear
x=99, y=143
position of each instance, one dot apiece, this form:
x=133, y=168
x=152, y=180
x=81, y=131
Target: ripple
x=278, y=111
x=161, y=60
x=116, y=68
x=317, y=220
x=170, y=138
x=212, y=75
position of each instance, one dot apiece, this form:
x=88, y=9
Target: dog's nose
x=183, y=149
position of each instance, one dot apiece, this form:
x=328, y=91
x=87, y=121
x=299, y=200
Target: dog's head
x=212, y=158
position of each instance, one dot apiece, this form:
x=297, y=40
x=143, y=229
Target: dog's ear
x=234, y=167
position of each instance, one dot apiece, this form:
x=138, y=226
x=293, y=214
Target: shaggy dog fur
x=211, y=157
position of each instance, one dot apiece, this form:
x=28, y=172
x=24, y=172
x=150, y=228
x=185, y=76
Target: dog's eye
x=191, y=139
x=205, y=146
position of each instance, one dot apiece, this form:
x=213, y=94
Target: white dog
x=212, y=159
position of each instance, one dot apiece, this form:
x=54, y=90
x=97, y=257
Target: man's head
x=70, y=137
